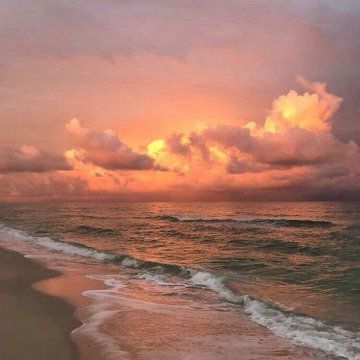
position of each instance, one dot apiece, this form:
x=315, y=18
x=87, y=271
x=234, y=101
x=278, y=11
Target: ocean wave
x=215, y=283
x=131, y=262
x=60, y=246
x=354, y=226
x=159, y=279
x=301, y=330
x=288, y=247
x=73, y=248
x=87, y=229
x=271, y=222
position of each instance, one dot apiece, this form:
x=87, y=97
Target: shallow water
x=291, y=267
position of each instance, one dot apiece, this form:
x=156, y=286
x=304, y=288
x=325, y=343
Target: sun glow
x=218, y=153
x=155, y=147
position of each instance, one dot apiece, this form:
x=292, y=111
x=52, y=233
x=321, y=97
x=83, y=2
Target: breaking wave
x=60, y=246
x=301, y=330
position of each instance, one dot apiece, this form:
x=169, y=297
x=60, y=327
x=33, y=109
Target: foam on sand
x=96, y=315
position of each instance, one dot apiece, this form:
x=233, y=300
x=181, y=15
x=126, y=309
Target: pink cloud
x=105, y=149
x=296, y=141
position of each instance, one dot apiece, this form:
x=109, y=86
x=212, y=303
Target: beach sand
x=33, y=325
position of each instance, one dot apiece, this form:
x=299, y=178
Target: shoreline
x=131, y=321
x=34, y=325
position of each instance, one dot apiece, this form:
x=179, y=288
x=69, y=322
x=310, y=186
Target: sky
x=180, y=99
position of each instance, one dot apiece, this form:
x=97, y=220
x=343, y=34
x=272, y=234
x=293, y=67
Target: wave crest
x=271, y=222
x=301, y=330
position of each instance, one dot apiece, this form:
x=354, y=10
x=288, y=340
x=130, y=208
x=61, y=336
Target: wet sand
x=33, y=325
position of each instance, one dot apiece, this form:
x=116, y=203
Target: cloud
x=296, y=133
x=310, y=111
x=230, y=136
x=104, y=149
x=53, y=59
x=297, y=157
x=241, y=166
x=30, y=159
x=34, y=185
x=295, y=145
x=178, y=144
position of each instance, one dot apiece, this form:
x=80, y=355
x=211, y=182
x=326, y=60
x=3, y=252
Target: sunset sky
x=180, y=99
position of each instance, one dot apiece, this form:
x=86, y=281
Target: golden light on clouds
x=155, y=147
x=294, y=144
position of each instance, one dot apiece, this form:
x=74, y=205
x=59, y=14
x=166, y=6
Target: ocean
x=291, y=267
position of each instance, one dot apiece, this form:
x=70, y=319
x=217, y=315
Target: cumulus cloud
x=310, y=111
x=105, y=149
x=296, y=133
x=30, y=159
x=296, y=147
x=228, y=136
x=294, y=144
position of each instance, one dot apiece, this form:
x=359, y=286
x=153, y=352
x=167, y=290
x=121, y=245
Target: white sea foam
x=305, y=331
x=130, y=262
x=73, y=249
x=106, y=304
x=91, y=329
x=12, y=232
x=59, y=246
x=159, y=279
x=98, y=313
x=214, y=283
x=301, y=330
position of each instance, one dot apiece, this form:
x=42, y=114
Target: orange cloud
x=295, y=139
x=293, y=149
x=306, y=111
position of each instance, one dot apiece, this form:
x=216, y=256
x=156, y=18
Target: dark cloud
x=241, y=166
x=30, y=159
x=176, y=145
x=231, y=136
x=42, y=186
x=297, y=147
